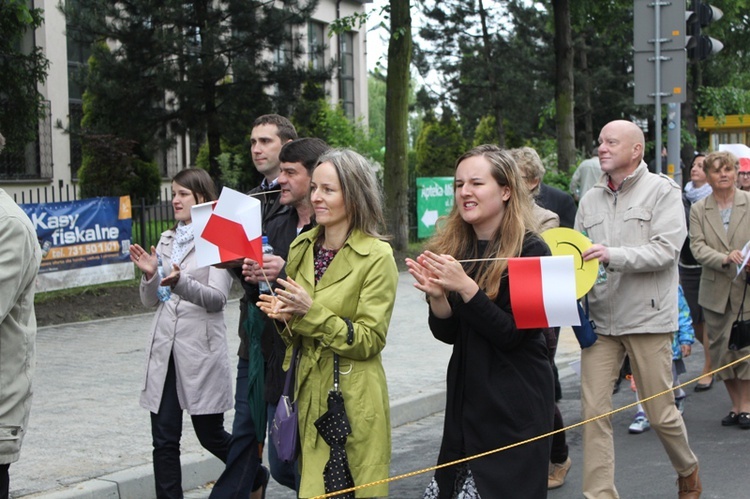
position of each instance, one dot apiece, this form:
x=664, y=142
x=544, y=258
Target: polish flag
x=543, y=291
x=207, y=253
x=231, y=230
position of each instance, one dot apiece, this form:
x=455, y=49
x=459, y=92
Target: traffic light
x=700, y=46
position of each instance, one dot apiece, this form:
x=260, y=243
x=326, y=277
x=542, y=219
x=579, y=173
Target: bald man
x=636, y=222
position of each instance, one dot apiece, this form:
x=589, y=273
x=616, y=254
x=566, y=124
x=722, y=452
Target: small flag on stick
x=543, y=291
x=231, y=230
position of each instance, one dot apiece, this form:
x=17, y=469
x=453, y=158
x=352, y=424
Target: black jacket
x=557, y=201
x=271, y=209
x=281, y=231
x=499, y=391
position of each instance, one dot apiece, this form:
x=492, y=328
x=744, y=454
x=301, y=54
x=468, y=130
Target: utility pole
x=660, y=59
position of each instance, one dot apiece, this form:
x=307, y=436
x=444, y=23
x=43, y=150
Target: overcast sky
x=377, y=37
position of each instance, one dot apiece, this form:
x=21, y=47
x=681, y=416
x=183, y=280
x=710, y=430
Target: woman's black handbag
x=739, y=337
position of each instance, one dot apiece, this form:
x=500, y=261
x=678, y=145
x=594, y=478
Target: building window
x=32, y=160
x=284, y=53
x=79, y=51
x=346, y=73
x=35, y=161
x=316, y=45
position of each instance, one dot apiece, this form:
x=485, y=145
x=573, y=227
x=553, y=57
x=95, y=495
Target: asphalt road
x=643, y=470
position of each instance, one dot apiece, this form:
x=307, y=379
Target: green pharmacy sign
x=434, y=200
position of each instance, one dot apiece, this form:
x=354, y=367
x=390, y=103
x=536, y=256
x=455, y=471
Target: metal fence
x=149, y=220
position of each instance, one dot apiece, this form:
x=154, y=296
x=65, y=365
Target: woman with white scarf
x=690, y=270
x=187, y=362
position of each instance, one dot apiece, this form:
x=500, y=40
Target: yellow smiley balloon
x=564, y=241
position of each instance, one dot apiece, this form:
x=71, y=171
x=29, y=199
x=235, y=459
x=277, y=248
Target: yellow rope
x=534, y=439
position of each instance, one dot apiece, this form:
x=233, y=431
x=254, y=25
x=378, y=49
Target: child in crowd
x=682, y=340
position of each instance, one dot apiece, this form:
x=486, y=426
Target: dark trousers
x=242, y=474
x=559, y=452
x=4, y=481
x=166, y=431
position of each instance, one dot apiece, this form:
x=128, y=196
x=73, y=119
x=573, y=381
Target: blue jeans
x=242, y=474
x=287, y=474
x=166, y=431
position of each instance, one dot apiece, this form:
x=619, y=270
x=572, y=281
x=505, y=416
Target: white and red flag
x=227, y=229
x=543, y=291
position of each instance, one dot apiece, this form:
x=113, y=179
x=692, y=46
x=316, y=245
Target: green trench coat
x=359, y=284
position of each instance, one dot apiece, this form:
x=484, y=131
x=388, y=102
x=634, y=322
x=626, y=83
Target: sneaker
x=557, y=473
x=680, y=404
x=639, y=424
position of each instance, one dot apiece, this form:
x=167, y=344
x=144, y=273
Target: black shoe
x=744, y=420
x=700, y=387
x=616, y=388
x=264, y=480
x=731, y=419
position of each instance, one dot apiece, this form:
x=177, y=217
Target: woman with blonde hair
x=337, y=303
x=719, y=229
x=499, y=383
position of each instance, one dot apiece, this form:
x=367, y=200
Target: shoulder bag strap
x=290, y=375
x=742, y=303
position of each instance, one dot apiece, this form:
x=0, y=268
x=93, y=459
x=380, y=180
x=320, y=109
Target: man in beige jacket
x=636, y=222
x=20, y=256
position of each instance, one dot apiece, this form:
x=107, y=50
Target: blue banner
x=83, y=242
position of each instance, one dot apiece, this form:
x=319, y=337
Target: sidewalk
x=89, y=438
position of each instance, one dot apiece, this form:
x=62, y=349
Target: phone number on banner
x=83, y=250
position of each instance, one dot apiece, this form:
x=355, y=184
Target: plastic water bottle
x=263, y=287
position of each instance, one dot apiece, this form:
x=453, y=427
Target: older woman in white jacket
x=187, y=362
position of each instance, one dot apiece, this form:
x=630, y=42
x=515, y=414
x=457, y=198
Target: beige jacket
x=710, y=244
x=20, y=256
x=190, y=326
x=643, y=225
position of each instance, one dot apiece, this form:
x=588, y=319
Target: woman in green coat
x=341, y=270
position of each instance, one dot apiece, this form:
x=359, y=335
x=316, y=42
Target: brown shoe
x=689, y=487
x=557, y=473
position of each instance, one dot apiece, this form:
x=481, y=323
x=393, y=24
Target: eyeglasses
x=744, y=174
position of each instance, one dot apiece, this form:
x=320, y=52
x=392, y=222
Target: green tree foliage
x=199, y=66
x=721, y=101
x=521, y=63
x=110, y=167
x=237, y=169
x=439, y=145
x=720, y=82
x=376, y=89
x=113, y=161
x=486, y=131
x=316, y=117
x=22, y=68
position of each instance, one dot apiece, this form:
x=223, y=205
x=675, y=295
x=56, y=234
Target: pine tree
x=175, y=66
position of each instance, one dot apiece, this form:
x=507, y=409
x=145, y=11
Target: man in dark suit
x=243, y=474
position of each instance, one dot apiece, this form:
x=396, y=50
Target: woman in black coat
x=500, y=384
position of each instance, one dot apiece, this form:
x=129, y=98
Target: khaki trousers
x=651, y=362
